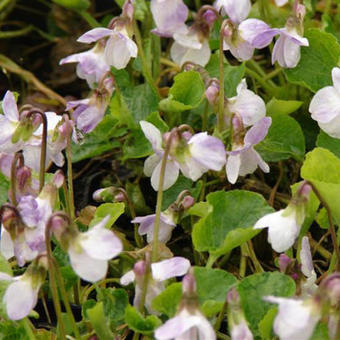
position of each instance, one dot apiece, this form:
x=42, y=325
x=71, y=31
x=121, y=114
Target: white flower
x=161, y=271
x=307, y=267
x=237, y=10
x=281, y=3
x=247, y=104
x=241, y=331
x=90, y=251
x=283, y=228
x=325, y=106
x=296, y=319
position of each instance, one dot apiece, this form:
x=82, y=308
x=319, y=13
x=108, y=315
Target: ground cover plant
x=170, y=169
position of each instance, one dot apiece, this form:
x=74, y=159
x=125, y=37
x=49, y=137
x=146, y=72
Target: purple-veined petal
x=10, y=108
x=233, y=168
x=20, y=298
x=85, y=266
x=166, y=269
x=170, y=176
x=277, y=54
x=94, y=35
x=325, y=105
x=258, y=131
x=291, y=52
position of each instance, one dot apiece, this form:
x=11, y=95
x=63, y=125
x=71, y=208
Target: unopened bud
x=209, y=17
x=120, y=197
x=284, y=262
x=128, y=9
x=331, y=287
x=140, y=268
x=187, y=202
x=105, y=194
x=189, y=283
x=300, y=11
x=58, y=179
x=58, y=225
x=24, y=176
x=233, y=297
x=212, y=92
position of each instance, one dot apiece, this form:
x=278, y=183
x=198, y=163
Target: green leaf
x=322, y=219
x=10, y=330
x=155, y=119
x=4, y=187
x=99, y=322
x=285, y=139
x=186, y=93
x=213, y=296
x=168, y=301
x=282, y=107
x=114, y=210
x=138, y=323
x=76, y=5
x=232, y=74
x=320, y=332
x=170, y=195
x=141, y=9
x=5, y=267
x=317, y=61
x=98, y=141
x=266, y=324
x=231, y=221
x=328, y=142
x=253, y=288
x=136, y=145
x=115, y=301
x=322, y=168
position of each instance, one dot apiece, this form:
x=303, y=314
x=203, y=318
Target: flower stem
x=211, y=260
x=154, y=256
x=220, y=118
x=331, y=224
x=269, y=89
x=220, y=317
x=89, y=19
x=146, y=71
x=52, y=279
x=70, y=177
x=27, y=325
x=17, y=157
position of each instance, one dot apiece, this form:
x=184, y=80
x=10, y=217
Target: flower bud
x=212, y=92
x=140, y=268
x=284, y=262
x=24, y=176
x=120, y=197
x=209, y=17
x=189, y=283
x=128, y=9
x=58, y=179
x=187, y=202
x=331, y=287
x=105, y=194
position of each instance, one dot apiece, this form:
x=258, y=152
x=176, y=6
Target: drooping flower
x=287, y=47
x=91, y=251
x=192, y=154
x=307, y=267
x=169, y=16
x=296, y=319
x=325, y=106
x=167, y=224
x=21, y=295
x=119, y=48
x=91, y=65
x=161, y=271
x=244, y=159
x=90, y=111
x=189, y=323
x=284, y=225
x=246, y=104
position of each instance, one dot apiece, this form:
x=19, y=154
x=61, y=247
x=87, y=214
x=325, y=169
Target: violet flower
x=169, y=16
x=307, y=267
x=244, y=159
x=91, y=65
x=91, y=251
x=237, y=10
x=325, y=106
x=192, y=154
x=161, y=271
x=147, y=223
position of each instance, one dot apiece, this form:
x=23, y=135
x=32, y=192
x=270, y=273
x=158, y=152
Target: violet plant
x=191, y=191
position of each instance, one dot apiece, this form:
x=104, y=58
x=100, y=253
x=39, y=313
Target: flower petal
x=94, y=35
x=10, y=108
x=152, y=134
x=128, y=278
x=166, y=269
x=233, y=168
x=258, y=132
x=170, y=176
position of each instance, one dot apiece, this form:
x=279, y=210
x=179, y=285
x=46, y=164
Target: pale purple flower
x=237, y=10
x=119, y=48
x=281, y=3
x=296, y=319
x=91, y=251
x=91, y=64
x=325, y=106
x=287, y=48
x=9, y=122
x=161, y=271
x=89, y=112
x=244, y=159
x=247, y=104
x=200, y=154
x=190, y=47
x=241, y=331
x=169, y=16
x=147, y=224
x=21, y=295
x=189, y=323
x=242, y=40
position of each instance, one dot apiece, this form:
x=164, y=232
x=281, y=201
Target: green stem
x=269, y=89
x=328, y=5
x=16, y=33
x=154, y=256
x=273, y=73
x=260, y=71
x=211, y=260
x=89, y=19
x=17, y=157
x=198, y=4
x=253, y=257
x=220, y=118
x=70, y=177
x=27, y=325
x=52, y=279
x=145, y=286
x=221, y=316
x=205, y=116
x=243, y=261
x=65, y=299
x=146, y=71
